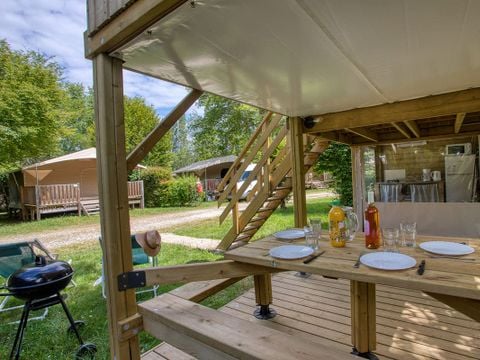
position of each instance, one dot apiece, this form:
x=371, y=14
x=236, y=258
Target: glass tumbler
x=311, y=238
x=409, y=234
x=316, y=226
x=390, y=239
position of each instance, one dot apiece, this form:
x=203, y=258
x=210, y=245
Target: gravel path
x=90, y=233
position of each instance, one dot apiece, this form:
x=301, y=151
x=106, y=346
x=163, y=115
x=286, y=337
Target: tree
x=77, y=129
x=29, y=96
x=224, y=128
x=181, y=147
x=337, y=160
x=140, y=119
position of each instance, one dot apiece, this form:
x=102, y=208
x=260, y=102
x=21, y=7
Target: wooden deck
x=410, y=324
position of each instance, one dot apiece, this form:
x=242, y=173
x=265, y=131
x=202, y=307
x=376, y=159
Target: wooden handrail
x=258, y=167
x=238, y=160
x=253, y=152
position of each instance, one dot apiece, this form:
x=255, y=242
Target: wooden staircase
x=90, y=206
x=272, y=174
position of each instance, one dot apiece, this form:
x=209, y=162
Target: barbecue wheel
x=86, y=351
x=78, y=324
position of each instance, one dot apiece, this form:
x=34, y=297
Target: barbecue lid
x=42, y=271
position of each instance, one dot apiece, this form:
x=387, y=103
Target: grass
x=281, y=219
x=10, y=227
x=48, y=339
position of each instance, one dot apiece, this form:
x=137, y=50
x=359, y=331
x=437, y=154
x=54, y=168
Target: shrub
x=156, y=183
x=182, y=191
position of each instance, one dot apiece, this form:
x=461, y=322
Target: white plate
x=290, y=234
x=388, y=261
x=291, y=252
x=446, y=248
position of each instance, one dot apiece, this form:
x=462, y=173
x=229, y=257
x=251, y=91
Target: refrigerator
x=459, y=177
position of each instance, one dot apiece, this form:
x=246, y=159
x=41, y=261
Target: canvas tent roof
x=308, y=57
x=204, y=164
x=86, y=154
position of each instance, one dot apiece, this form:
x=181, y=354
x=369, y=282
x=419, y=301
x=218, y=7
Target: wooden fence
x=44, y=199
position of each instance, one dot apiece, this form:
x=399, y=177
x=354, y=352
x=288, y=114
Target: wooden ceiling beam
x=459, y=121
x=135, y=19
x=147, y=144
x=367, y=134
x=412, y=125
x=421, y=108
x=337, y=137
x=401, y=130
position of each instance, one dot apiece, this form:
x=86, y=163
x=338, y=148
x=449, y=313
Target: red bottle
x=372, y=227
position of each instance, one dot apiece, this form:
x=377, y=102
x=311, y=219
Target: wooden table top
x=442, y=275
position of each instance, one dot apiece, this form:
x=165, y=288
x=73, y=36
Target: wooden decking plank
x=388, y=328
x=391, y=305
x=310, y=324
x=169, y=352
x=410, y=324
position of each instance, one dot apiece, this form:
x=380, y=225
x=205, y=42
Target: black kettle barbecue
x=39, y=284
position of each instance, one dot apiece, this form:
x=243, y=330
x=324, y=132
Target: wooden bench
x=209, y=334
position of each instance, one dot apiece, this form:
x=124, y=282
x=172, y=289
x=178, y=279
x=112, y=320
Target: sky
x=55, y=28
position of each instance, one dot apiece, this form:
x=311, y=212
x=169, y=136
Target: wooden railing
x=135, y=192
x=265, y=149
x=52, y=195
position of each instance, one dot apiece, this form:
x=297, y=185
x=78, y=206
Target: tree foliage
x=140, y=119
x=30, y=93
x=224, y=127
x=181, y=146
x=337, y=160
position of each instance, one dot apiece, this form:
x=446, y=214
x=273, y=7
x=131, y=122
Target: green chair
x=13, y=256
x=139, y=257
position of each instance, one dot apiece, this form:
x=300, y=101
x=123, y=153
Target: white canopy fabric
x=307, y=57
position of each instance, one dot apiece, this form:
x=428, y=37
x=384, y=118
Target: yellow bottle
x=336, y=225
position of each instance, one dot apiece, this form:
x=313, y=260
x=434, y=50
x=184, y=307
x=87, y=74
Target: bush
x=161, y=190
x=156, y=182
x=182, y=191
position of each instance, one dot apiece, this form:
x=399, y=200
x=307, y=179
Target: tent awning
x=308, y=57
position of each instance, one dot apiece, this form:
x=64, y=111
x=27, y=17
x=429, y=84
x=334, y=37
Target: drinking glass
x=316, y=225
x=409, y=233
x=390, y=239
x=311, y=238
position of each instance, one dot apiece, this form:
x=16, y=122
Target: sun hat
x=149, y=241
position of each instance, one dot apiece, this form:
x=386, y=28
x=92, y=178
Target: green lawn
x=48, y=339
x=281, y=219
x=15, y=227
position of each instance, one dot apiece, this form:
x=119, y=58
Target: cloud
x=55, y=28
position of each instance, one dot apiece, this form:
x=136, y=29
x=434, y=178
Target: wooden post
x=142, y=194
x=112, y=186
x=358, y=182
x=263, y=296
x=295, y=127
x=38, y=202
x=363, y=310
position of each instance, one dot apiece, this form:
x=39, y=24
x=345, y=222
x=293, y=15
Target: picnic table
x=454, y=281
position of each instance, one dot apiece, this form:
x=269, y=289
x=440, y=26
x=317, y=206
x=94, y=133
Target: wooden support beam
x=458, y=122
x=201, y=271
x=295, y=128
x=112, y=186
x=336, y=136
x=363, y=310
x=131, y=22
x=367, y=134
x=412, y=125
x=401, y=130
x=142, y=149
x=421, y=108
x=358, y=182
x=468, y=307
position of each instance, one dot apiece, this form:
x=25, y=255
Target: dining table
x=453, y=280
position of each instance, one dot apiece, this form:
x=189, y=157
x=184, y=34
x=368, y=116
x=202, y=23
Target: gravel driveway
x=90, y=233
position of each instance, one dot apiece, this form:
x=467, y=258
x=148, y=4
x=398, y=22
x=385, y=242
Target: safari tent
x=64, y=183
x=365, y=73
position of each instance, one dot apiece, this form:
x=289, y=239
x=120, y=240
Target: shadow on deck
x=410, y=324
